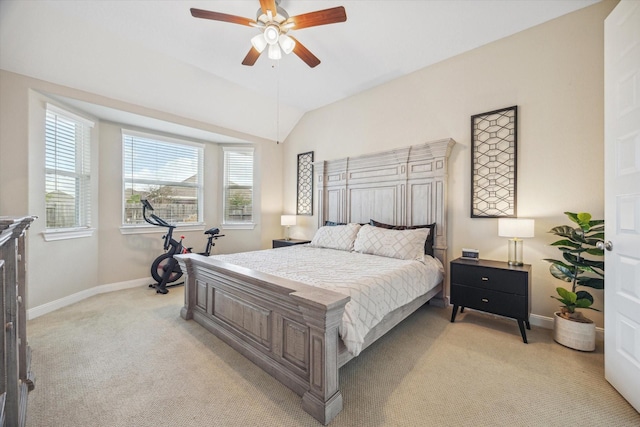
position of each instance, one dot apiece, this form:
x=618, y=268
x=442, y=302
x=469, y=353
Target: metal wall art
x=305, y=184
x=493, y=163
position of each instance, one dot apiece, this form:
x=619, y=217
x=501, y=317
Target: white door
x=622, y=200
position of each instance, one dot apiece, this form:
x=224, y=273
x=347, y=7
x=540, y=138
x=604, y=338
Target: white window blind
x=238, y=185
x=165, y=171
x=67, y=169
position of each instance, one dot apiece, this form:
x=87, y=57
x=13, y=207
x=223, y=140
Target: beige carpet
x=127, y=359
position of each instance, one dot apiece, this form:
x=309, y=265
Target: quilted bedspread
x=377, y=285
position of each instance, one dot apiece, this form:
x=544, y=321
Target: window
x=67, y=165
x=165, y=171
x=238, y=185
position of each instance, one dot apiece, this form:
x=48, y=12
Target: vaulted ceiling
x=156, y=55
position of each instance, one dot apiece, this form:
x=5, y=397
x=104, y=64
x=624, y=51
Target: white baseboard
x=40, y=310
x=542, y=321
x=547, y=322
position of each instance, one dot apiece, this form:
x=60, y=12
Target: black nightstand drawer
x=513, y=282
x=501, y=303
x=281, y=243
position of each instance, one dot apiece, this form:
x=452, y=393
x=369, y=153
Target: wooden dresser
x=16, y=376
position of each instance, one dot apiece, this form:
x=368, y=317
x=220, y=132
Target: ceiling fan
x=274, y=23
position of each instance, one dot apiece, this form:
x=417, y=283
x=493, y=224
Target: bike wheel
x=160, y=266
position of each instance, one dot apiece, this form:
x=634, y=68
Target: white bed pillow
x=339, y=237
x=401, y=244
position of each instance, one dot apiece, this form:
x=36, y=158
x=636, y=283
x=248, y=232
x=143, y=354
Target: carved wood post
x=319, y=169
x=190, y=290
x=323, y=400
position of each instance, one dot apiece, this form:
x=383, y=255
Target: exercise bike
x=165, y=268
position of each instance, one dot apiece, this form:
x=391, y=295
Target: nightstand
x=493, y=287
x=280, y=243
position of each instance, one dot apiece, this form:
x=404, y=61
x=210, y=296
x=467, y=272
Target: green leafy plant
x=238, y=200
x=576, y=243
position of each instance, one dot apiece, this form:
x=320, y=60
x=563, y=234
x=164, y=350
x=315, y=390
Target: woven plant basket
x=576, y=335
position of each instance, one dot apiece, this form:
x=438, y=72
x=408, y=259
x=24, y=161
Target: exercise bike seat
x=212, y=231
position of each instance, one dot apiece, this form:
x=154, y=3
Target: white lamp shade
x=275, y=52
x=286, y=43
x=259, y=42
x=288, y=220
x=515, y=227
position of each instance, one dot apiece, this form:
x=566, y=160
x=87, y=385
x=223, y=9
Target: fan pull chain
x=277, y=65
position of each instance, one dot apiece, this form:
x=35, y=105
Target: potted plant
x=582, y=266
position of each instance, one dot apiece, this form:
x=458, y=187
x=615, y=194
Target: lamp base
x=515, y=252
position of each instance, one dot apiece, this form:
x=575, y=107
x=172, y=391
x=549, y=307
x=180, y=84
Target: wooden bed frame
x=290, y=329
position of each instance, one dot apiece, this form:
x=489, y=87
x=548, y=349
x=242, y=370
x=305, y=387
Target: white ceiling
x=156, y=55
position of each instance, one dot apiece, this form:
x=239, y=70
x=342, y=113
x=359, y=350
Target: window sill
x=238, y=226
x=53, y=235
x=142, y=229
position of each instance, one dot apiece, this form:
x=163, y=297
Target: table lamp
x=287, y=221
x=516, y=228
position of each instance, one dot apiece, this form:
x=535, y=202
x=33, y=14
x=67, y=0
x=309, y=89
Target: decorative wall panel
x=493, y=163
x=305, y=184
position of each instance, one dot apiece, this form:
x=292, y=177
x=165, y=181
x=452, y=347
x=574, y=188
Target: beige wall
x=73, y=268
x=553, y=73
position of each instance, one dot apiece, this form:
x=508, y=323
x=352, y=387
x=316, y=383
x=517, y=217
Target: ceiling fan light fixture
x=271, y=34
x=286, y=43
x=274, y=23
x=275, y=52
x=259, y=42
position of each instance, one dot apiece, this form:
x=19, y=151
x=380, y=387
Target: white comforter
x=377, y=285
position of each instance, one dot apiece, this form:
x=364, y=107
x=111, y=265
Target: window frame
x=127, y=228
x=82, y=174
x=239, y=225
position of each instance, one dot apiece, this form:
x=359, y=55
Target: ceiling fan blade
x=267, y=5
x=305, y=54
x=217, y=16
x=319, y=17
x=251, y=57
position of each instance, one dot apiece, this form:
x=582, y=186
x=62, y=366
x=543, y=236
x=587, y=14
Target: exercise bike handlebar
x=159, y=222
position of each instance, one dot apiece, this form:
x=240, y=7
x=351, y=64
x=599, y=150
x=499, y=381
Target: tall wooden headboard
x=403, y=186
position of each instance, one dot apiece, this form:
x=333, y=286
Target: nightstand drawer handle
x=485, y=300
x=486, y=279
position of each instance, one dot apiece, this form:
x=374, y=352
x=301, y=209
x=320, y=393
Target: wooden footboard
x=287, y=328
